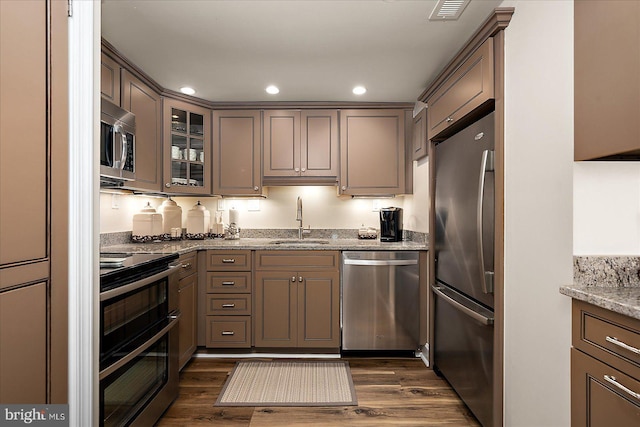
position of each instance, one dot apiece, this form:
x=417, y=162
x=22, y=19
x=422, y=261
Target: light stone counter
x=611, y=282
x=184, y=246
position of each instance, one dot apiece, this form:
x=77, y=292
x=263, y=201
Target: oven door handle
x=139, y=284
x=174, y=319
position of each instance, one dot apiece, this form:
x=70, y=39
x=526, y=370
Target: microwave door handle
x=117, y=147
x=124, y=149
x=486, y=165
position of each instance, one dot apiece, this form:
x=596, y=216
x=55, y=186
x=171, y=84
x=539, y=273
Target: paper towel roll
x=234, y=216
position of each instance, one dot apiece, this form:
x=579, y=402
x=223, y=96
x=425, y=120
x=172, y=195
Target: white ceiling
x=313, y=50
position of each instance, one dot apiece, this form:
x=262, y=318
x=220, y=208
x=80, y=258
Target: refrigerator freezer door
x=463, y=349
x=464, y=194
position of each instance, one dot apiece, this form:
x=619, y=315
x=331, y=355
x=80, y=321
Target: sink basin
x=299, y=242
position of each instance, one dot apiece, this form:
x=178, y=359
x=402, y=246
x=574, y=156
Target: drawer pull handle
x=228, y=305
x=228, y=333
x=615, y=341
x=228, y=283
x=187, y=265
x=612, y=380
x=228, y=260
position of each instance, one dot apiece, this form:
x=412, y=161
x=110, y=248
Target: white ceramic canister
x=171, y=215
x=198, y=220
x=147, y=223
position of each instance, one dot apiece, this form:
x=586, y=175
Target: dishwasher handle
x=380, y=262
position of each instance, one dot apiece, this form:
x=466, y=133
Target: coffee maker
x=390, y=224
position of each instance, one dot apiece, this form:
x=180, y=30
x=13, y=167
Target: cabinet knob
x=300, y=279
x=256, y=188
x=297, y=169
x=293, y=279
x=304, y=169
x=449, y=119
x=167, y=185
x=344, y=188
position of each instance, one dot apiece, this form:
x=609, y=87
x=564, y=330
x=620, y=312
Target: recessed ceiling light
x=272, y=90
x=187, y=90
x=359, y=90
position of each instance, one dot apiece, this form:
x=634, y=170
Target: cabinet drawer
x=189, y=264
x=229, y=282
x=602, y=395
x=608, y=336
x=228, y=304
x=297, y=260
x=228, y=260
x=228, y=331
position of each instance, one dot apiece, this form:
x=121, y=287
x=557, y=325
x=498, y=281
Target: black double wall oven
x=138, y=337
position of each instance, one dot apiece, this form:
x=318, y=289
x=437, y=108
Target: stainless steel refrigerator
x=464, y=208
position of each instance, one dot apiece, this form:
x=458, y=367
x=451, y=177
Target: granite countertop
x=610, y=282
x=184, y=246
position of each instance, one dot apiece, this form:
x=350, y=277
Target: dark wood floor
x=398, y=392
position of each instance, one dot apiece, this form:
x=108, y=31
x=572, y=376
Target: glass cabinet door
x=189, y=149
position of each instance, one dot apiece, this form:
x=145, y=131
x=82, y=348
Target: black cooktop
x=117, y=269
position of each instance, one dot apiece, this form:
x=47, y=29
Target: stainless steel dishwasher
x=380, y=300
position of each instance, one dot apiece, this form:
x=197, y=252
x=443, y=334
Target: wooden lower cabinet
x=227, y=308
x=297, y=309
x=596, y=399
x=188, y=304
x=605, y=368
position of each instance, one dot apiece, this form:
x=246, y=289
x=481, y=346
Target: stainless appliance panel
x=464, y=349
x=117, y=143
x=380, y=300
x=464, y=199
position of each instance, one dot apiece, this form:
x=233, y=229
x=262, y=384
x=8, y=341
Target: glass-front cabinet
x=187, y=164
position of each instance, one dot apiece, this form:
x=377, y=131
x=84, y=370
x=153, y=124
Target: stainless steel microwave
x=117, y=144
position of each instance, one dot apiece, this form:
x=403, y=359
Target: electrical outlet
x=220, y=204
x=115, y=201
x=375, y=205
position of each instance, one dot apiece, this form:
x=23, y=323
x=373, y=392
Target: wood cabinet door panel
x=298, y=260
x=606, y=83
x=228, y=331
x=228, y=260
x=419, y=137
x=469, y=87
x=275, y=311
x=146, y=104
x=236, y=152
x=596, y=401
x=281, y=143
x=187, y=327
x=229, y=282
x=24, y=138
x=372, y=152
x=23, y=333
x=110, y=79
x=319, y=310
x=319, y=143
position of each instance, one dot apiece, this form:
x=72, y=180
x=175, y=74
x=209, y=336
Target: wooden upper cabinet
x=110, y=79
x=236, y=153
x=187, y=145
x=606, y=79
x=301, y=145
x=468, y=88
x=146, y=104
x=372, y=152
x=419, y=137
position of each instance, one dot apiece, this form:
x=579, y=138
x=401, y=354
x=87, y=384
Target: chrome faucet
x=301, y=231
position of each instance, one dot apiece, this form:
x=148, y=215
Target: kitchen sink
x=300, y=242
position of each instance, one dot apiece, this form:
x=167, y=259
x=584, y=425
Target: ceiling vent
x=448, y=10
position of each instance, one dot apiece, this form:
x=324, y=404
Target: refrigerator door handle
x=486, y=165
x=466, y=310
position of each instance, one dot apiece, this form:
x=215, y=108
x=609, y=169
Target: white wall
x=321, y=208
x=416, y=206
x=606, y=203
x=538, y=212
